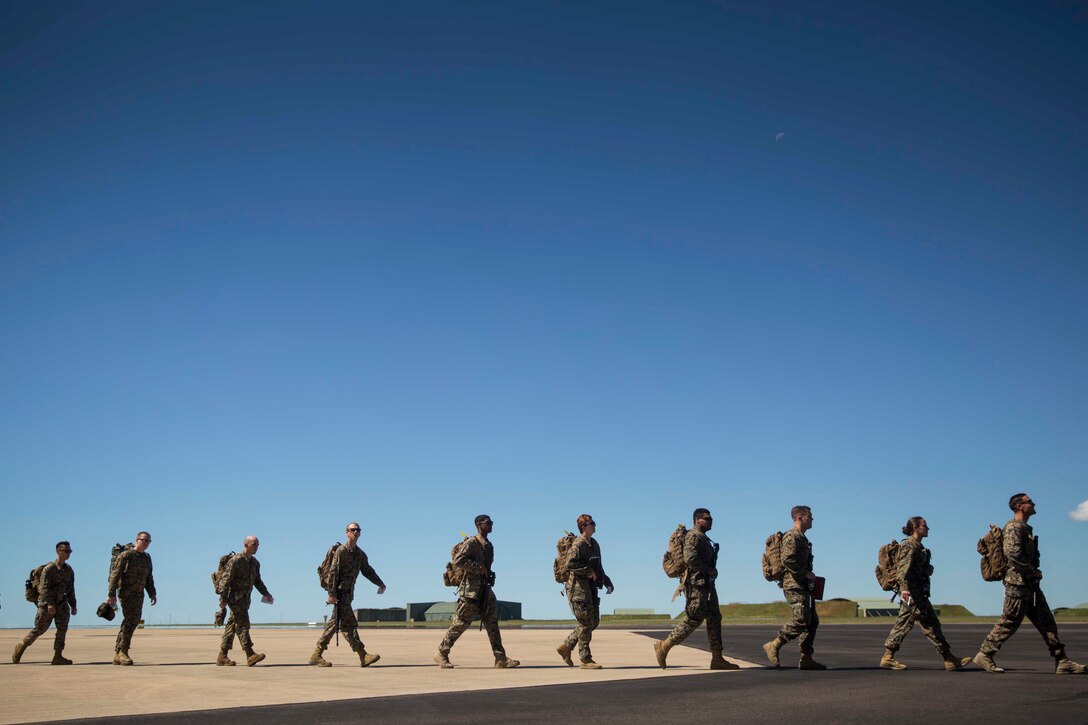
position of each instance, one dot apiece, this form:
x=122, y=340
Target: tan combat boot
x=952, y=662
x=18, y=653
x=317, y=659
x=771, y=650
x=661, y=651
x=565, y=652
x=366, y=660
x=252, y=657
x=717, y=662
x=987, y=663
x=122, y=658
x=1066, y=666
x=442, y=659
x=889, y=662
x=502, y=662
x=589, y=664
x=807, y=663
x=60, y=659
x=223, y=660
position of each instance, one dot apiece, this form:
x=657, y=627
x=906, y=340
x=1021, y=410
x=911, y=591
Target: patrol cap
x=106, y=612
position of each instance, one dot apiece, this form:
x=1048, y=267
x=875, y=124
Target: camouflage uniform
x=475, y=557
x=797, y=561
x=913, y=573
x=1022, y=594
x=242, y=574
x=130, y=577
x=583, y=594
x=56, y=586
x=348, y=564
x=700, y=556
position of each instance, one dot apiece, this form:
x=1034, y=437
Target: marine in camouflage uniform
x=242, y=574
x=476, y=596
x=1023, y=597
x=797, y=587
x=56, y=603
x=130, y=577
x=350, y=561
x=586, y=576
x=913, y=574
x=700, y=594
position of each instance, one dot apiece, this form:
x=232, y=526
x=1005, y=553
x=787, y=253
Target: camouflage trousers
x=237, y=625
x=43, y=619
x=921, y=611
x=132, y=609
x=1023, y=602
x=588, y=614
x=803, y=619
x=349, y=627
x=702, y=603
x=468, y=610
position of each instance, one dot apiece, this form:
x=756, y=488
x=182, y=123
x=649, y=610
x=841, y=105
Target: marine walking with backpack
x=905, y=568
x=337, y=573
x=791, y=567
x=578, y=565
x=52, y=588
x=698, y=574
x=470, y=571
x=1019, y=550
x=130, y=576
x=234, y=581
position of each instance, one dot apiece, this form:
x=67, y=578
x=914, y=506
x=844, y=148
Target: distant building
x=444, y=611
x=389, y=614
x=416, y=610
x=880, y=608
x=631, y=612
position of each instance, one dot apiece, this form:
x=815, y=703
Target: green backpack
x=220, y=573
x=32, y=582
x=992, y=548
x=563, y=549
x=887, y=564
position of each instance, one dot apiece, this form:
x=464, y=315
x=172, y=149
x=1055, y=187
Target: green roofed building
x=444, y=611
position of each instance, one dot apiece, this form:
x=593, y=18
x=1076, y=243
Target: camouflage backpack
x=325, y=573
x=887, y=565
x=563, y=549
x=220, y=572
x=773, y=571
x=115, y=554
x=992, y=548
x=673, y=561
x=32, y=582
x=454, y=575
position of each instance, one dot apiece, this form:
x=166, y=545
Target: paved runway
x=854, y=690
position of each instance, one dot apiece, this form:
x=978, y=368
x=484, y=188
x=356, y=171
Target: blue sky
x=270, y=269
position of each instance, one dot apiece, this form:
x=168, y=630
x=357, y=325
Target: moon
x=779, y=136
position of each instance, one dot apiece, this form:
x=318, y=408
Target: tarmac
x=174, y=680
x=175, y=670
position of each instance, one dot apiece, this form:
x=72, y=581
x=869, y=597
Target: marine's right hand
x=51, y=609
x=332, y=599
x=112, y=601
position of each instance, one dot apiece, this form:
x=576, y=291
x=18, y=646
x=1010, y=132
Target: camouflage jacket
x=585, y=556
x=475, y=556
x=132, y=574
x=349, y=564
x=1022, y=554
x=242, y=574
x=700, y=556
x=914, y=569
x=796, y=559
x=57, y=584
